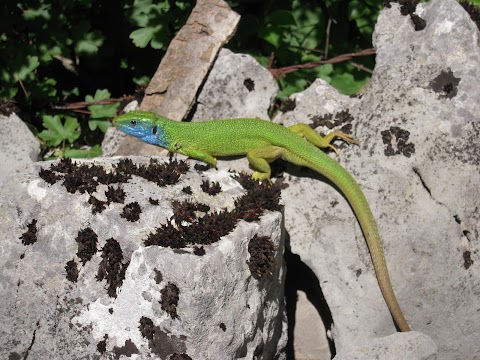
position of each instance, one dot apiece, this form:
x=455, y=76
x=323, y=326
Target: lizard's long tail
x=333, y=171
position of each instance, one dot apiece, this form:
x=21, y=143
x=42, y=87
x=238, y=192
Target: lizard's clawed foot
x=261, y=176
x=341, y=135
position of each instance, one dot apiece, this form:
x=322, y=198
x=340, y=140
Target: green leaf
x=183, y=5
x=275, y=26
x=90, y=43
x=141, y=37
x=291, y=84
x=141, y=12
x=101, y=111
x=26, y=68
x=45, y=86
x=56, y=132
x=281, y=18
x=103, y=125
x=47, y=52
x=141, y=80
x=346, y=83
x=41, y=12
x=80, y=153
x=100, y=94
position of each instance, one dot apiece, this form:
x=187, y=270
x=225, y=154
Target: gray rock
x=223, y=312
x=418, y=164
x=237, y=86
x=18, y=146
x=401, y=346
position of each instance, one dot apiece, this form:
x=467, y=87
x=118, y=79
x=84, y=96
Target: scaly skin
x=263, y=142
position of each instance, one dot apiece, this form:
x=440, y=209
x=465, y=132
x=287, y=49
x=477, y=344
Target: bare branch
x=337, y=59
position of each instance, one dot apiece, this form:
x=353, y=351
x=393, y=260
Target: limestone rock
x=80, y=277
x=18, y=146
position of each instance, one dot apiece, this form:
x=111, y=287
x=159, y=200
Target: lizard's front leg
x=312, y=136
x=199, y=155
x=260, y=159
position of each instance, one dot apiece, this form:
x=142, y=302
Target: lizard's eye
x=133, y=122
x=154, y=130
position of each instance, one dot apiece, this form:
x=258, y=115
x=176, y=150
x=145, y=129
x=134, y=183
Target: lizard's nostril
x=133, y=122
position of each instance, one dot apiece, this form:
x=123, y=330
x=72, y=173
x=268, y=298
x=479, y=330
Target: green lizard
x=263, y=142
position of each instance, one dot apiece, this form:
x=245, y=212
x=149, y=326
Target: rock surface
x=401, y=346
x=76, y=283
x=418, y=164
x=19, y=147
x=237, y=86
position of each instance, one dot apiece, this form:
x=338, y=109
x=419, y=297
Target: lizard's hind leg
x=313, y=137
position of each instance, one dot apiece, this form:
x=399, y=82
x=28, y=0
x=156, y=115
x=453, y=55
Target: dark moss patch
x=72, y=271
x=261, y=262
x=342, y=119
x=84, y=178
x=187, y=190
x=160, y=342
x=446, y=84
x=49, y=176
x=87, y=241
x=201, y=167
x=128, y=349
x=418, y=23
x=146, y=327
x=153, y=201
x=287, y=105
x=29, y=237
x=397, y=137
x=102, y=345
x=211, y=227
x=249, y=84
x=467, y=259
x=97, y=205
x=162, y=174
x=199, y=250
x=169, y=301
x=116, y=195
x=211, y=188
x=186, y=210
x=131, y=212
x=330, y=121
x=183, y=356
x=158, y=276
x=258, y=198
x=112, y=268
x=14, y=355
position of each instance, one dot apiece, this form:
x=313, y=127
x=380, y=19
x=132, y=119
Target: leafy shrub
x=62, y=62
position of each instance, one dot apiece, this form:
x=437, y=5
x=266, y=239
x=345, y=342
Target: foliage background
x=55, y=54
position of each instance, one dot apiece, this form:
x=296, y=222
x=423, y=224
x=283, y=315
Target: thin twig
x=327, y=37
x=337, y=59
x=317, y=51
x=23, y=88
x=271, y=60
x=361, y=67
x=83, y=104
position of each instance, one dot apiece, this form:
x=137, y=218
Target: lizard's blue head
x=143, y=125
